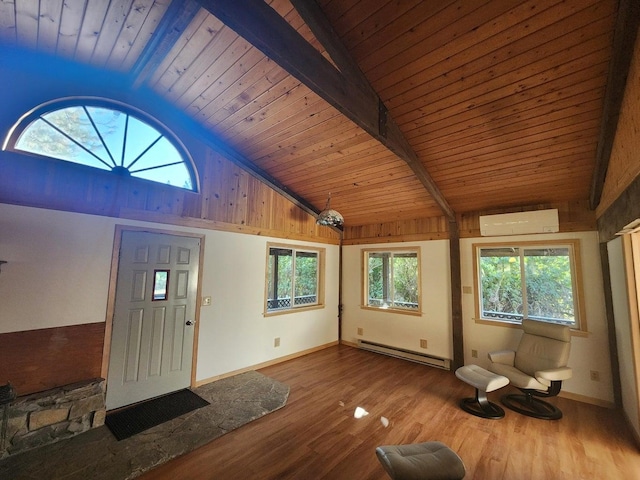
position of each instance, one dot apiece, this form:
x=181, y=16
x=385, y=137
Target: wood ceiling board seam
x=439, y=168
x=356, y=155
x=186, y=58
x=27, y=14
x=547, y=113
x=283, y=88
x=367, y=21
x=443, y=66
x=448, y=171
x=264, y=84
x=70, y=25
x=316, y=138
x=428, y=36
x=353, y=168
x=238, y=53
x=294, y=121
x=277, y=116
x=218, y=44
x=498, y=62
x=169, y=66
x=503, y=108
x=497, y=89
x=131, y=41
x=114, y=23
x=8, y=26
x=393, y=34
x=418, y=119
x=497, y=144
x=49, y=19
x=214, y=99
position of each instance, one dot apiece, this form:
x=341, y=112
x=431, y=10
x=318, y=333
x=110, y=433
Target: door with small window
x=153, y=327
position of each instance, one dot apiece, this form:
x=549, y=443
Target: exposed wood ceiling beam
x=173, y=23
x=175, y=20
x=264, y=28
x=624, y=39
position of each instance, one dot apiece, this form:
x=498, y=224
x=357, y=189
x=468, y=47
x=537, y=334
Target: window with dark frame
x=107, y=136
x=293, y=278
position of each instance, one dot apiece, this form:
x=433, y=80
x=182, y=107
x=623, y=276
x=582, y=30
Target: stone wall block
x=17, y=425
x=80, y=424
x=45, y=418
x=99, y=417
x=86, y=405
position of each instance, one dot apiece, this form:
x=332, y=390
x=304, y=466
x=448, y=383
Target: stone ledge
x=42, y=418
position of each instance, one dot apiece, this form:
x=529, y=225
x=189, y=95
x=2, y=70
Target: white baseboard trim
x=590, y=400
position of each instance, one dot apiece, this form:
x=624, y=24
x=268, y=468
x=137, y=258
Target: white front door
x=154, y=317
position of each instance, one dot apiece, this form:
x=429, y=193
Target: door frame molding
x=113, y=280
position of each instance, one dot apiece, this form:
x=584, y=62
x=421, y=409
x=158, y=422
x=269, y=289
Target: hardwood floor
x=317, y=437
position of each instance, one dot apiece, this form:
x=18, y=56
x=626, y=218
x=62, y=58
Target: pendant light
x=329, y=217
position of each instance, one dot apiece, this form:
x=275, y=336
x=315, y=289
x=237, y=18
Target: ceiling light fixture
x=329, y=217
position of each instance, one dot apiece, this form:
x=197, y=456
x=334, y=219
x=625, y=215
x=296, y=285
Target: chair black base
x=530, y=406
x=481, y=406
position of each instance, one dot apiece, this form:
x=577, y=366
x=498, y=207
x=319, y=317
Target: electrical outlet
x=423, y=343
x=474, y=353
x=276, y=342
x=594, y=375
x=360, y=331
x=206, y=301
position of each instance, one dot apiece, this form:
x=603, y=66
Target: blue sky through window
x=107, y=139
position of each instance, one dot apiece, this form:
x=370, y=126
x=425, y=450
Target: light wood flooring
x=315, y=436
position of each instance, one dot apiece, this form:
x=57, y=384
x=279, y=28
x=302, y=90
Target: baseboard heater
x=425, y=359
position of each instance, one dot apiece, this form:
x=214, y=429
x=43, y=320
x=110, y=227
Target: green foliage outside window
x=393, y=280
x=541, y=275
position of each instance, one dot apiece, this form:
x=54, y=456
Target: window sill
x=275, y=313
x=494, y=323
x=392, y=310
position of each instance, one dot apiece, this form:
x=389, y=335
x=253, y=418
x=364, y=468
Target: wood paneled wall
x=624, y=164
x=38, y=360
x=230, y=198
x=573, y=217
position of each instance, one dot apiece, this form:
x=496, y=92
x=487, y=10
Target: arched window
x=105, y=135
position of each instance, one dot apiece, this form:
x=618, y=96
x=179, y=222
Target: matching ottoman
x=421, y=461
x=484, y=381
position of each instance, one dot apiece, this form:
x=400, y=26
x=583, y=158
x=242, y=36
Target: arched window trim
x=34, y=114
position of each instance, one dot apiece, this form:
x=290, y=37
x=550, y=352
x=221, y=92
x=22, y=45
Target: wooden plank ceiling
x=500, y=101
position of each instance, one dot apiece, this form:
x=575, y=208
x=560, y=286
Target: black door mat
x=142, y=416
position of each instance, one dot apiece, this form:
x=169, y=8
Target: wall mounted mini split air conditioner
x=520, y=223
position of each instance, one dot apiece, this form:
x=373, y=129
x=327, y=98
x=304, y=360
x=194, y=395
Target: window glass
x=108, y=138
x=537, y=282
x=293, y=278
x=392, y=280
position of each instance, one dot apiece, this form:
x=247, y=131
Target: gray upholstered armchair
x=537, y=367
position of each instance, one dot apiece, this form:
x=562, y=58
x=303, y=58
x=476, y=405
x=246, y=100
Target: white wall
x=622, y=318
x=395, y=329
x=588, y=353
x=58, y=274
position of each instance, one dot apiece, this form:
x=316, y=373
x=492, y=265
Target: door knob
x=189, y=323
